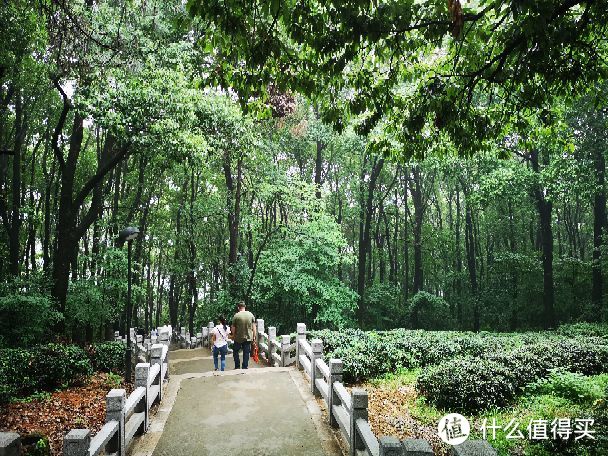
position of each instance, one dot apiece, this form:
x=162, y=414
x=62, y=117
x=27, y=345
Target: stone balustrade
x=276, y=351
x=348, y=411
x=126, y=417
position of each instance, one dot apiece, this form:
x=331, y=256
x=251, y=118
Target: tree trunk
x=544, y=207
x=365, y=221
x=416, y=191
x=513, y=323
x=406, y=240
x=318, y=168
x=233, y=203
x=15, y=226
x=599, y=226
x=458, y=258
x=471, y=264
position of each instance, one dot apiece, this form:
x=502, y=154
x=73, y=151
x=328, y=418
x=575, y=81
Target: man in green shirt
x=244, y=333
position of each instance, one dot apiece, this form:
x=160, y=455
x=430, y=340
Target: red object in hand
x=256, y=354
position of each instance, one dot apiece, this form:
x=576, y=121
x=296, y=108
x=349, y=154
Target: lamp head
x=128, y=234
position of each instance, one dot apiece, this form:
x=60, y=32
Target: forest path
x=259, y=411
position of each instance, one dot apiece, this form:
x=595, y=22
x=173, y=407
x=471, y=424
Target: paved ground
x=199, y=360
x=263, y=412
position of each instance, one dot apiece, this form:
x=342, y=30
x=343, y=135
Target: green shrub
x=107, y=357
x=467, y=384
x=372, y=354
x=471, y=384
x=427, y=311
x=16, y=376
x=25, y=318
x=45, y=367
x=573, y=386
x=527, y=356
x=36, y=444
x=584, y=329
x=57, y=365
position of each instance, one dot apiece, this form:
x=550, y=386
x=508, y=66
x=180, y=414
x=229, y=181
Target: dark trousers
x=246, y=346
x=223, y=351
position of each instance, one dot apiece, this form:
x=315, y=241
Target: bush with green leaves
x=471, y=384
x=58, y=365
x=371, y=354
x=573, y=386
x=491, y=368
x=107, y=356
x=41, y=368
x=26, y=318
x=467, y=384
x=427, y=311
x=16, y=377
x=584, y=329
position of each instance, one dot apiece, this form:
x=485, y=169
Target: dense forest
x=345, y=163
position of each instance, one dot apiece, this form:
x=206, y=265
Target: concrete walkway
x=266, y=411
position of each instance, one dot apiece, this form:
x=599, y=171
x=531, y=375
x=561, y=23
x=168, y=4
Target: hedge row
x=51, y=366
x=469, y=371
x=107, y=357
x=471, y=384
x=371, y=354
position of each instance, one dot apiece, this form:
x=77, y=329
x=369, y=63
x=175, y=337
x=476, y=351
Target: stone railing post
x=205, y=335
x=359, y=410
x=335, y=375
x=115, y=411
x=142, y=374
x=10, y=444
x=317, y=352
x=259, y=328
x=156, y=353
x=77, y=442
x=164, y=336
x=285, y=350
x=417, y=447
x=474, y=448
x=272, y=335
x=390, y=446
x=301, y=329
x=210, y=327
x=182, y=337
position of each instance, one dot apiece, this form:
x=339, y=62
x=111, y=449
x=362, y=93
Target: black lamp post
x=128, y=234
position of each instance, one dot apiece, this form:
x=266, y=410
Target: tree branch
x=60, y=124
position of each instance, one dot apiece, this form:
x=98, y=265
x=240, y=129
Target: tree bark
x=417, y=200
x=544, y=207
x=599, y=227
x=472, y=264
x=364, y=236
x=68, y=229
x=233, y=203
x=318, y=168
x=15, y=225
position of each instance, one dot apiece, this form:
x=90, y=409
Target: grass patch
x=526, y=408
x=403, y=377
x=562, y=395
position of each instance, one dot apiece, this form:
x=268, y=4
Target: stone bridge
x=291, y=403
